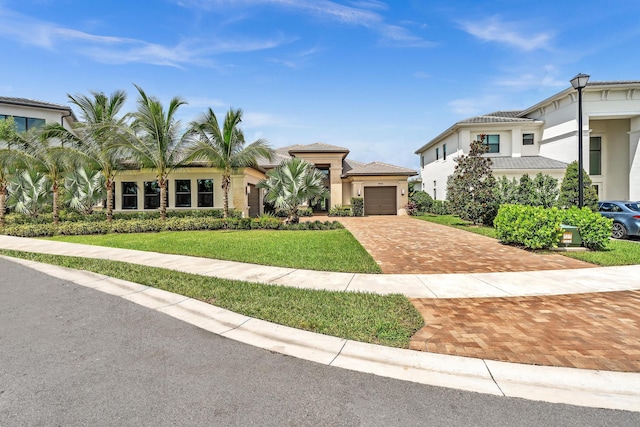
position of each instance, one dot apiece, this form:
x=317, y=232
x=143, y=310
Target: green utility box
x=570, y=236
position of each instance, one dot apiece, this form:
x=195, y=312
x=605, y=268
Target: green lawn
x=388, y=320
x=454, y=221
x=324, y=250
x=619, y=252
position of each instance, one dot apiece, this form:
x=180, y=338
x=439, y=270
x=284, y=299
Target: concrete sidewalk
x=615, y=390
x=466, y=285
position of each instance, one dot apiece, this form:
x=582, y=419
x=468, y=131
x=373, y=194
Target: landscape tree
x=470, y=189
x=86, y=189
x=292, y=183
x=96, y=135
x=155, y=140
x=547, y=190
x=224, y=148
x=29, y=192
x=569, y=189
x=38, y=153
x=8, y=161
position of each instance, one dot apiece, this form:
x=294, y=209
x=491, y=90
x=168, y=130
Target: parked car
x=625, y=215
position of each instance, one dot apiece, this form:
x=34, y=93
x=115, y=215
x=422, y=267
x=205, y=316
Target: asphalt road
x=72, y=356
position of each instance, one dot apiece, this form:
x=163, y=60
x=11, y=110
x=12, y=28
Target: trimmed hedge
x=156, y=225
x=535, y=227
x=340, y=211
x=357, y=206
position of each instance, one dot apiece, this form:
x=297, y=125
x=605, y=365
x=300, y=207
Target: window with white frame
x=492, y=141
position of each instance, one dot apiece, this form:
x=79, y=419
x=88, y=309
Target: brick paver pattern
x=402, y=244
x=590, y=331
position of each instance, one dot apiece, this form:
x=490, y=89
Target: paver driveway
x=590, y=331
x=405, y=245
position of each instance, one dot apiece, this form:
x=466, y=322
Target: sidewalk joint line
x=339, y=352
x=492, y=378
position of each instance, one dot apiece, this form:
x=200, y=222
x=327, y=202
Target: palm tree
x=85, y=189
x=53, y=161
x=8, y=161
x=30, y=191
x=224, y=148
x=156, y=141
x=95, y=135
x=292, y=183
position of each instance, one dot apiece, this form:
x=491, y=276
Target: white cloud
x=547, y=77
x=468, y=107
x=361, y=14
x=495, y=30
x=120, y=50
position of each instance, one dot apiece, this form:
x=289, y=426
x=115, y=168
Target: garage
x=380, y=201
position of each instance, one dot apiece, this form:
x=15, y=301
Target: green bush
x=82, y=228
x=595, y=229
x=340, y=211
x=423, y=201
x=136, y=225
x=357, y=206
x=533, y=227
x=29, y=230
x=440, y=207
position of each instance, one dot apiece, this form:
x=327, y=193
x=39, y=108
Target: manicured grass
x=454, y=221
x=619, y=252
x=388, y=320
x=323, y=250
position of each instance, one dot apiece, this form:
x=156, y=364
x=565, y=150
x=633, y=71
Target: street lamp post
x=579, y=82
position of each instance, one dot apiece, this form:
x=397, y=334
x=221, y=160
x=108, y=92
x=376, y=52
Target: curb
x=600, y=389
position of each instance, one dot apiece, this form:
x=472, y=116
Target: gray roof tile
x=527, y=162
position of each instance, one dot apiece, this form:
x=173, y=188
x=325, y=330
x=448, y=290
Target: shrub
x=422, y=200
x=533, y=227
x=340, y=211
x=82, y=228
x=30, y=230
x=569, y=189
x=136, y=225
x=412, y=208
x=440, y=207
x=357, y=206
x=595, y=229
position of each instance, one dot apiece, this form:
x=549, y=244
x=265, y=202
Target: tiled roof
x=378, y=168
x=527, y=162
x=317, y=147
x=509, y=117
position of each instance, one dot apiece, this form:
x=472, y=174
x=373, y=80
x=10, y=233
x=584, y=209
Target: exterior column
x=634, y=159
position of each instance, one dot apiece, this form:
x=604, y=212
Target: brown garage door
x=380, y=201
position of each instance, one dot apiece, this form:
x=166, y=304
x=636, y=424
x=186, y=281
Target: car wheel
x=619, y=231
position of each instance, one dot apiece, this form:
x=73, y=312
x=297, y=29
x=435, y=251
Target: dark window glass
x=205, y=193
x=595, y=155
x=492, y=141
x=129, y=195
x=437, y=153
x=152, y=194
x=21, y=123
x=34, y=123
x=183, y=193
x=527, y=139
x=444, y=151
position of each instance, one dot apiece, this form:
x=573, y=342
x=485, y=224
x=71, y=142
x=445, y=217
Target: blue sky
x=378, y=77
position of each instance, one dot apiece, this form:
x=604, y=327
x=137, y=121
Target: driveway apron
x=405, y=245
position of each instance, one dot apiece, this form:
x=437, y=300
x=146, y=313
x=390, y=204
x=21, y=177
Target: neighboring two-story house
x=544, y=138
x=29, y=113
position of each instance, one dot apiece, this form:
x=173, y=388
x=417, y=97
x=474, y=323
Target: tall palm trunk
x=109, y=185
x=163, y=198
x=3, y=202
x=56, y=217
x=226, y=181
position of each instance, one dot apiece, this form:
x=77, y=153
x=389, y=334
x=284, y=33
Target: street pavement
x=75, y=356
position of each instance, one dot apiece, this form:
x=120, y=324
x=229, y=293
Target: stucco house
x=382, y=186
x=544, y=138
